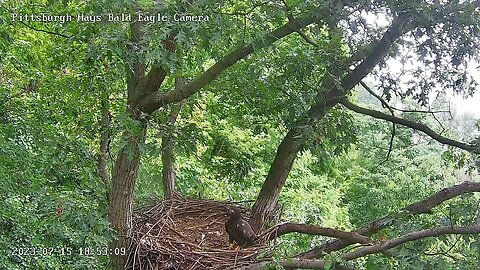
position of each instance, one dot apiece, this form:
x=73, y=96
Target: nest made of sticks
x=187, y=235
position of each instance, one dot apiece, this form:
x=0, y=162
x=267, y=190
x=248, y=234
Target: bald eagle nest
x=188, y=234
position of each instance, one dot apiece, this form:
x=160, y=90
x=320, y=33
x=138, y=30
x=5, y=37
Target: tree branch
x=392, y=112
x=296, y=263
x=362, y=252
x=416, y=208
x=407, y=123
x=410, y=237
x=289, y=227
x=157, y=100
x=445, y=194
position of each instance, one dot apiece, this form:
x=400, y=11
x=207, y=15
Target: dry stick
x=170, y=246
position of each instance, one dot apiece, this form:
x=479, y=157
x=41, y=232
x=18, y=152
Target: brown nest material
x=187, y=235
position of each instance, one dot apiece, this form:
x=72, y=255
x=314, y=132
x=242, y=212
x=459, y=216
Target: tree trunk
x=266, y=202
x=292, y=143
x=123, y=183
x=168, y=159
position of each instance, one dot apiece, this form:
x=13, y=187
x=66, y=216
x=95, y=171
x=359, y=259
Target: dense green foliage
x=51, y=93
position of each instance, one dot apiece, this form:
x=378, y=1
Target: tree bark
x=292, y=143
x=123, y=183
x=168, y=158
x=268, y=196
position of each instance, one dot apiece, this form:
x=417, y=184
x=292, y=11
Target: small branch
x=292, y=19
x=445, y=252
x=46, y=31
x=37, y=29
x=419, y=111
x=386, y=105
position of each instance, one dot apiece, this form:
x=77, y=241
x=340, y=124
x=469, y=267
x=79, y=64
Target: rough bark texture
x=121, y=198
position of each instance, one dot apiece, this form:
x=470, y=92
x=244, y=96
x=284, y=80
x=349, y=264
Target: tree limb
x=410, y=237
x=407, y=123
x=362, y=252
x=445, y=194
x=289, y=227
x=159, y=99
x=416, y=208
x=168, y=157
x=295, y=263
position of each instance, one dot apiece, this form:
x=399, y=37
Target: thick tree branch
x=362, y=252
x=399, y=26
x=289, y=227
x=417, y=126
x=168, y=144
x=445, y=194
x=413, y=236
x=416, y=208
x=157, y=100
x=292, y=143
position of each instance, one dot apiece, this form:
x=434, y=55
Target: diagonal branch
x=414, y=125
x=362, y=252
x=413, y=236
x=445, y=194
x=157, y=100
x=416, y=208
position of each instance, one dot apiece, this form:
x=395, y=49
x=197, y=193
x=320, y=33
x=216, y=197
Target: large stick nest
x=187, y=235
